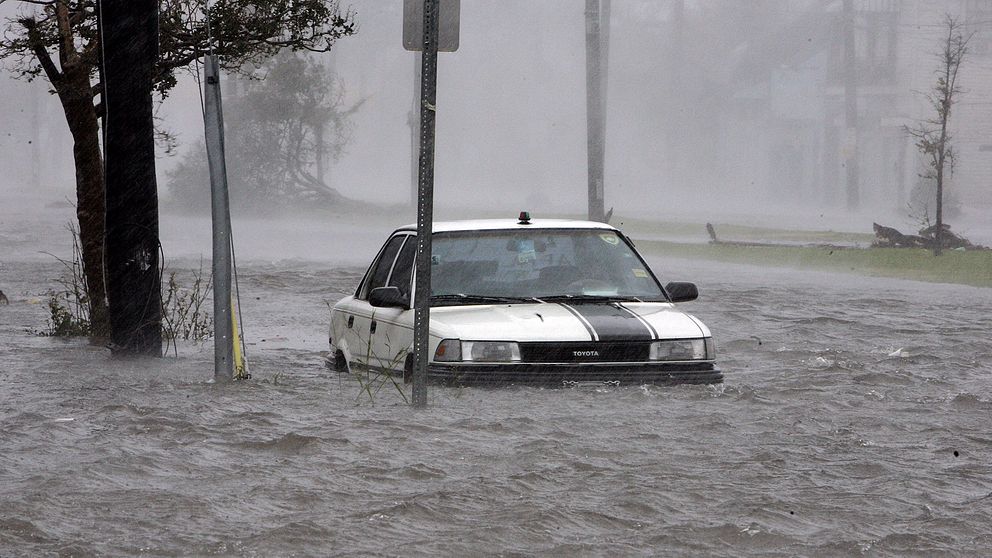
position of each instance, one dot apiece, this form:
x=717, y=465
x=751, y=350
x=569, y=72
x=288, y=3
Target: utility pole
x=220, y=213
x=604, y=69
x=851, y=109
x=595, y=124
x=36, y=127
x=675, y=131
x=320, y=128
x=678, y=43
x=321, y=151
x=129, y=48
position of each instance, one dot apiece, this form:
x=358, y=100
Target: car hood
x=565, y=322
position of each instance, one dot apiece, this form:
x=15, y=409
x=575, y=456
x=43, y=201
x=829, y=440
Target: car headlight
x=683, y=349
x=490, y=351
x=453, y=350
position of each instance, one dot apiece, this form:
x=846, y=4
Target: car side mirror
x=682, y=292
x=388, y=297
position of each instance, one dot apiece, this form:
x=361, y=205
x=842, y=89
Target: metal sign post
x=449, y=12
x=213, y=126
x=429, y=28
x=425, y=206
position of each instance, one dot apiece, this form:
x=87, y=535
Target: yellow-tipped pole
x=240, y=370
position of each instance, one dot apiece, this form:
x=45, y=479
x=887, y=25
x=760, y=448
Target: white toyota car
x=540, y=301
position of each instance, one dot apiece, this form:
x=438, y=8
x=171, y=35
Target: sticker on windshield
x=435, y=259
x=610, y=238
x=640, y=273
x=526, y=252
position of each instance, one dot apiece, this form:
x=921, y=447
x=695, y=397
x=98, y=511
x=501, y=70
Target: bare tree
x=932, y=136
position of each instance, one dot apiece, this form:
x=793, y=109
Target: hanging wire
x=199, y=89
x=210, y=49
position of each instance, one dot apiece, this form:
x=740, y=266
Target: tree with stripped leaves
x=932, y=135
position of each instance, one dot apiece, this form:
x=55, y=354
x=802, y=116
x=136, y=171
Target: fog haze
x=727, y=109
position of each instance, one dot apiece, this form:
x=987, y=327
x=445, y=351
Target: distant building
x=785, y=122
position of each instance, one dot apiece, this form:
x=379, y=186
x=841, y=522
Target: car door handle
x=372, y=327
x=351, y=321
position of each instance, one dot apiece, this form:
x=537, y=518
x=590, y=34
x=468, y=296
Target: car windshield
x=514, y=265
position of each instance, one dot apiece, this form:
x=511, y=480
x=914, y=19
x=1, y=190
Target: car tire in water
x=408, y=369
x=340, y=363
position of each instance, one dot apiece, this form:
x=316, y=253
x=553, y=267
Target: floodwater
x=854, y=421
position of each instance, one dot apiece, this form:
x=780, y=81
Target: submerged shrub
x=68, y=315
x=183, y=314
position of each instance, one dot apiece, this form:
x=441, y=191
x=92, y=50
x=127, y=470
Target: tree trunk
x=75, y=93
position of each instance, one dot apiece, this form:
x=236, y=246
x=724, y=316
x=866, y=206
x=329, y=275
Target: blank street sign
x=413, y=25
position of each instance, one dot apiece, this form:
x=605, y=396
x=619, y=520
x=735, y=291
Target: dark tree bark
x=90, y=206
x=75, y=90
x=129, y=35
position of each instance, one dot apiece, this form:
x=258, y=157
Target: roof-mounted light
x=524, y=218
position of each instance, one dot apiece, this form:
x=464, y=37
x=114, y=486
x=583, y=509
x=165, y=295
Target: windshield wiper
x=589, y=298
x=481, y=299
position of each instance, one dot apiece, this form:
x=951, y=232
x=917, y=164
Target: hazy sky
x=511, y=111
x=511, y=105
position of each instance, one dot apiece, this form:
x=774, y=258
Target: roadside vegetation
x=69, y=304
x=971, y=267
x=184, y=314
x=642, y=228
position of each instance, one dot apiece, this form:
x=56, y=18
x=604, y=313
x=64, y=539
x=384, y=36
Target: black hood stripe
x=610, y=323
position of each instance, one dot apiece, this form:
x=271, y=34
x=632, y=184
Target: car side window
x=380, y=272
x=403, y=270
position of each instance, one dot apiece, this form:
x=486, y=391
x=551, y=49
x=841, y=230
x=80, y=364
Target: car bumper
x=552, y=374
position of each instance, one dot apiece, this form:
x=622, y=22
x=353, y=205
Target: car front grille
x=559, y=374
x=578, y=352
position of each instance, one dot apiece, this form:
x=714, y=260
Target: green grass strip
x=962, y=267
x=640, y=227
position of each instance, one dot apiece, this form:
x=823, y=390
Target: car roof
x=509, y=224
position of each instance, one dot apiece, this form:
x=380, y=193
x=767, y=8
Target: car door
x=394, y=326
x=361, y=326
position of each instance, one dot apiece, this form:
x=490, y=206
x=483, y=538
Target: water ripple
x=848, y=425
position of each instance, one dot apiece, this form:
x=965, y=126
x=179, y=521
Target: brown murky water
x=854, y=420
